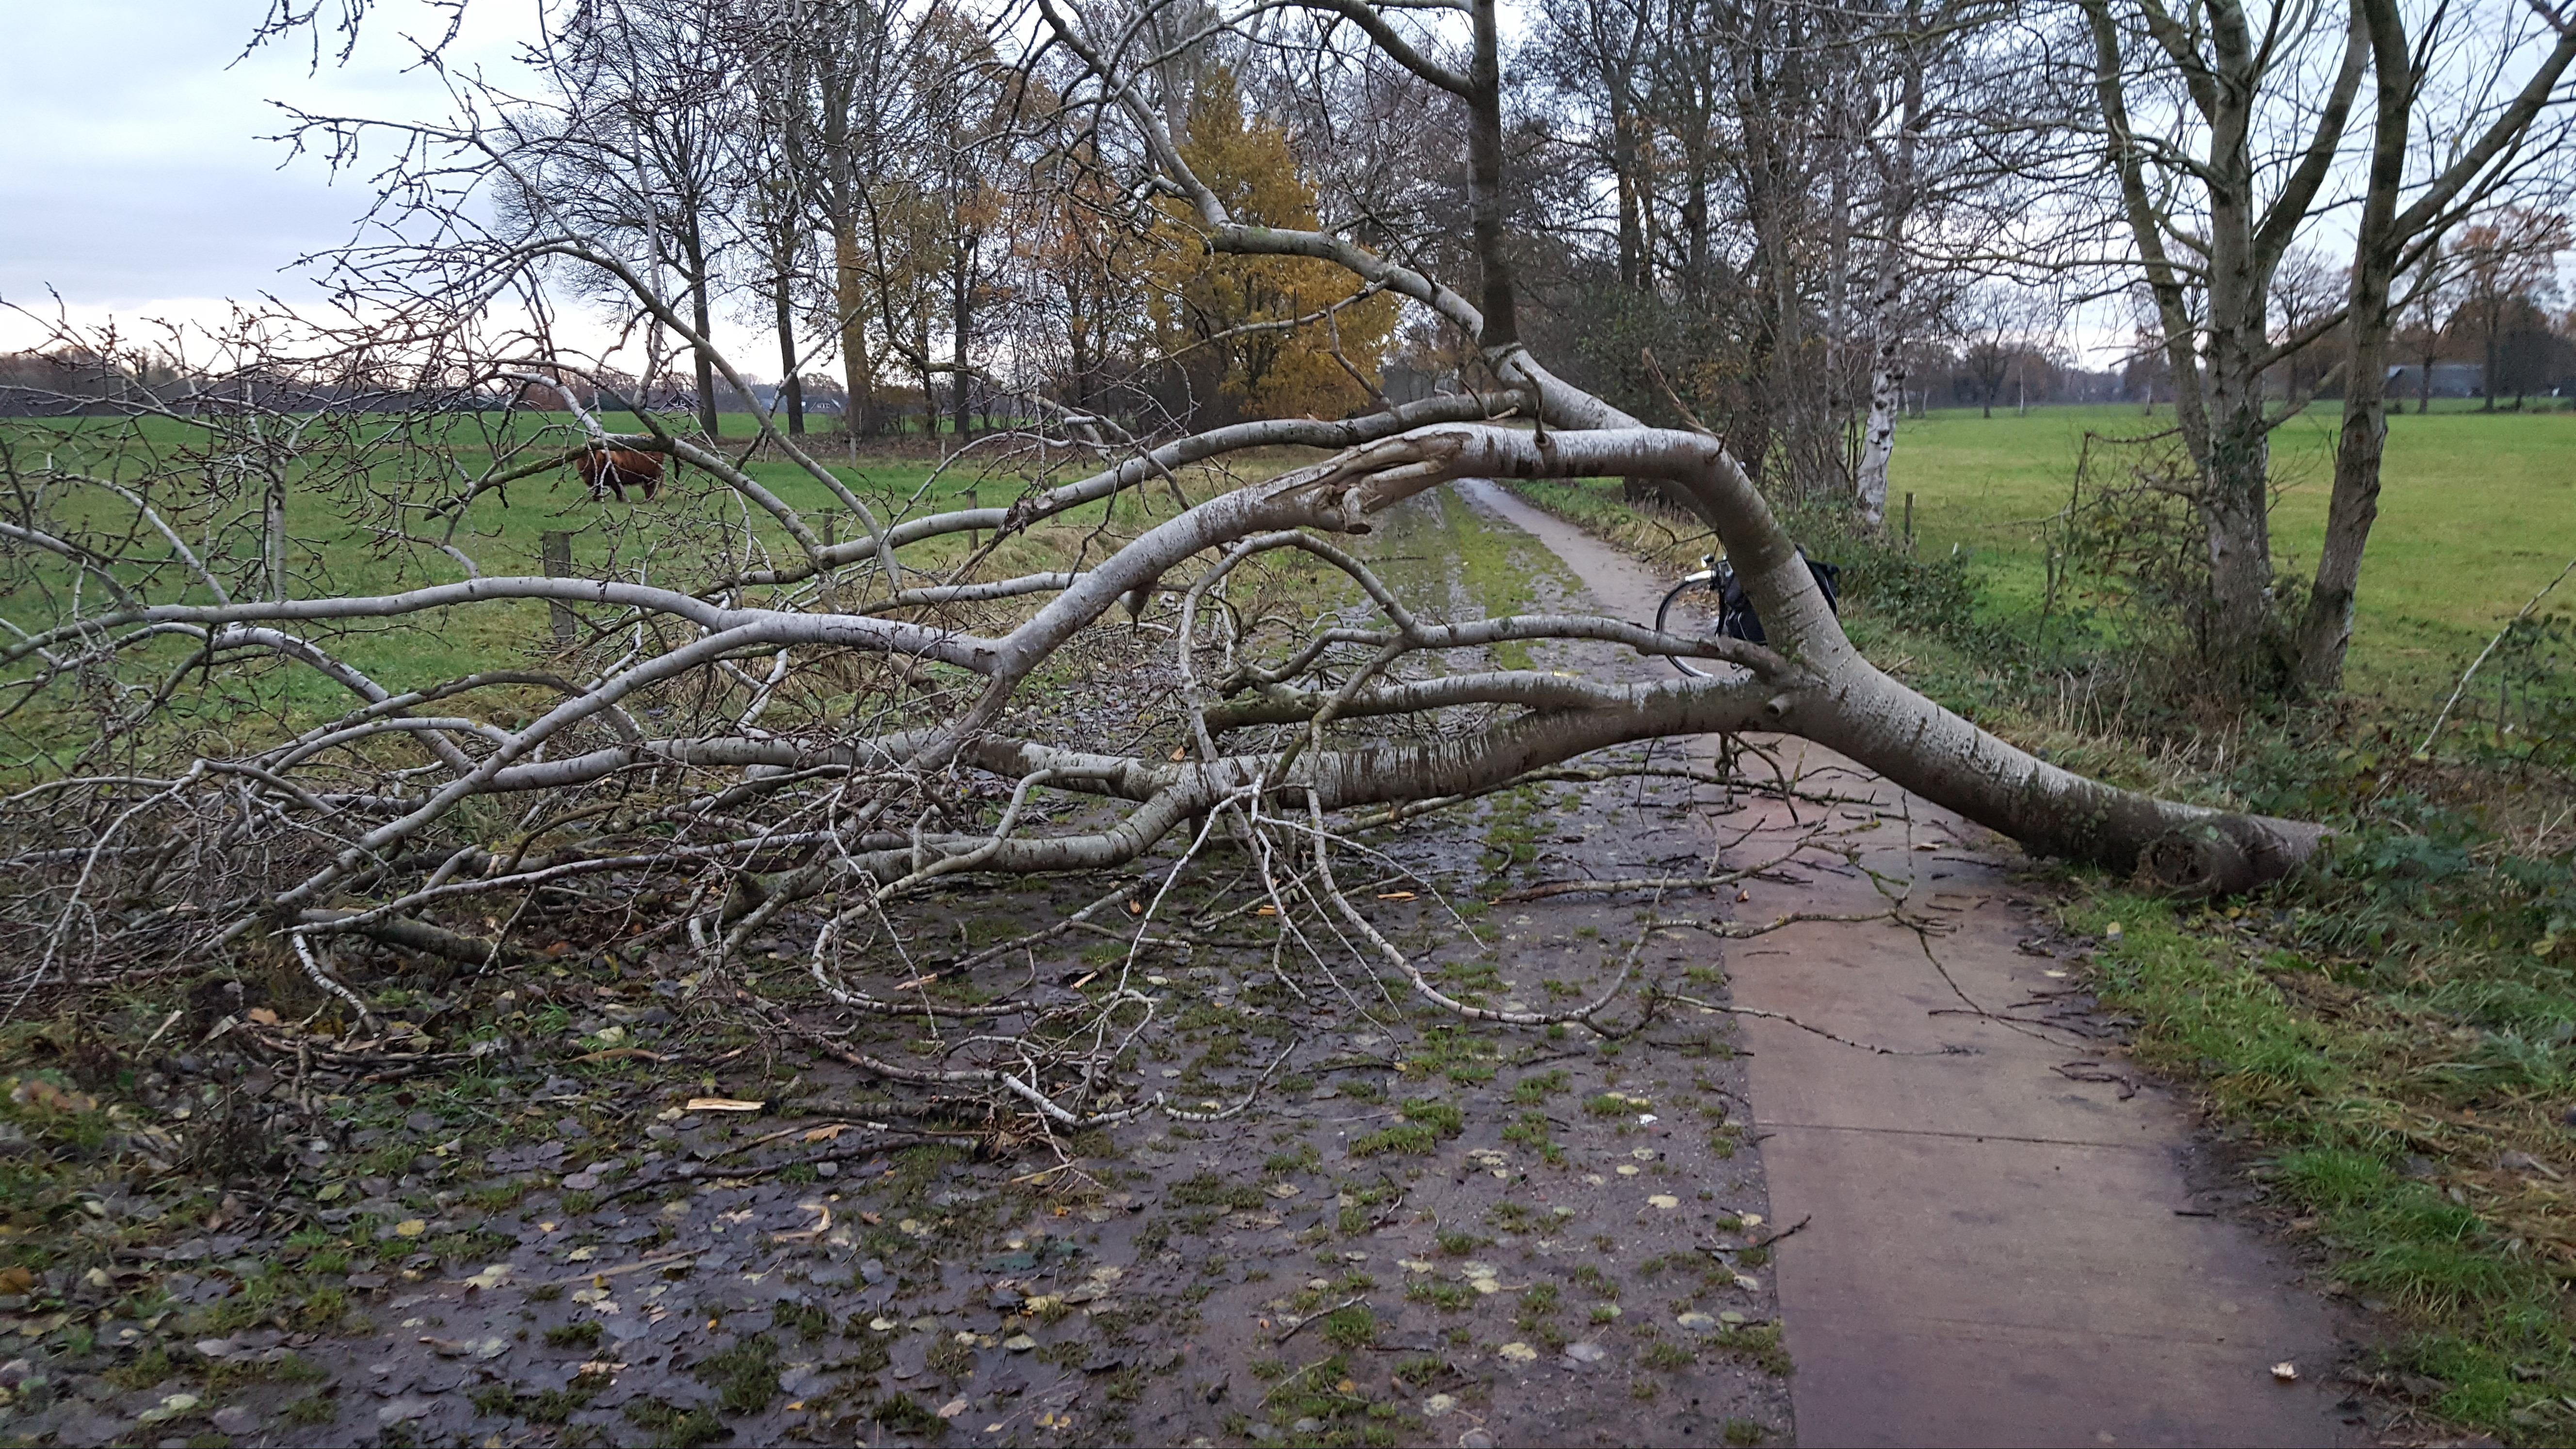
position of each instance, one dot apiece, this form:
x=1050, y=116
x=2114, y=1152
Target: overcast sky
x=133, y=180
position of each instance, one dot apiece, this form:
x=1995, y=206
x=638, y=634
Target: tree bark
x=693, y=246
x=791, y=389
x=1887, y=360
x=962, y=289
x=850, y=297
x=1485, y=179
x=2383, y=239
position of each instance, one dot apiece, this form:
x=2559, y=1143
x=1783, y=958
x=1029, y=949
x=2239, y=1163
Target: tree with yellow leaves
x=1260, y=336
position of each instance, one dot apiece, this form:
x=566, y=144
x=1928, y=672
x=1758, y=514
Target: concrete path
x=1995, y=1246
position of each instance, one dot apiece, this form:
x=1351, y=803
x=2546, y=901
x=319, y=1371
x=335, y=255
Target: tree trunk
x=921, y=355
x=1485, y=180
x=701, y=318
x=849, y=296
x=2325, y=632
x=962, y=287
x=790, y=388
x=1878, y=435
x=1887, y=359
x=1623, y=167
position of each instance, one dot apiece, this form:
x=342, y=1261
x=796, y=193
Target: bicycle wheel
x=1664, y=611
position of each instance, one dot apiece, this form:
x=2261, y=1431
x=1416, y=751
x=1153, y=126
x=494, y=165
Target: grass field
x=2477, y=511
x=675, y=540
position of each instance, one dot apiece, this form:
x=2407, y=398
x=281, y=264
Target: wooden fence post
x=558, y=549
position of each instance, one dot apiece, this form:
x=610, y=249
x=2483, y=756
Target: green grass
x=2336, y=1084
x=2476, y=512
x=503, y=532
x=696, y=530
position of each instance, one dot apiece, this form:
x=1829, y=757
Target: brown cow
x=614, y=469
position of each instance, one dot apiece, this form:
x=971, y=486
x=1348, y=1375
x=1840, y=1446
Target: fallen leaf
x=821, y=1226
x=260, y=1016
x=17, y=1280
x=168, y=1409
x=410, y=1228
x=952, y=1408
x=1664, y=1200
x=1395, y=896
x=723, y=1104
x=37, y=1092
x=826, y=1134
x=1283, y=1190
x=916, y=982
x=2286, y=1371
x=1266, y=911
x=1179, y=754
x=1518, y=1353
x=1135, y=908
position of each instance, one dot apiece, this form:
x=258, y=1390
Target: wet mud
x=622, y=1225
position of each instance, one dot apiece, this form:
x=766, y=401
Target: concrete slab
x=1992, y=1252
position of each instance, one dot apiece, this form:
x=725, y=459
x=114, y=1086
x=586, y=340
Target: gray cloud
x=131, y=164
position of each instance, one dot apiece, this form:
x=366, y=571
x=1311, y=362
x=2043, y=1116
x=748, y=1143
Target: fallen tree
x=747, y=730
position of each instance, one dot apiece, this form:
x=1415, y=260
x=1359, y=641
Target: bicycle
x=1735, y=616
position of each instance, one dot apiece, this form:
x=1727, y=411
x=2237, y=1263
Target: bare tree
x=2424, y=317
x=652, y=114
x=2507, y=267
x=2485, y=94
x=752, y=735
x=2228, y=135
x=2222, y=130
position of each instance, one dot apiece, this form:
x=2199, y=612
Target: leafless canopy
x=283, y=679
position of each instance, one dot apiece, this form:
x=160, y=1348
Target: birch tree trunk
x=1887, y=357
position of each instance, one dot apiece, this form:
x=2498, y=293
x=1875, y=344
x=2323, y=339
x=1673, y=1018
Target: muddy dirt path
x=2005, y=1237
x=630, y=1223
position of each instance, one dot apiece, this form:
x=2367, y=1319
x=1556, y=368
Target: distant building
x=2450, y=379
